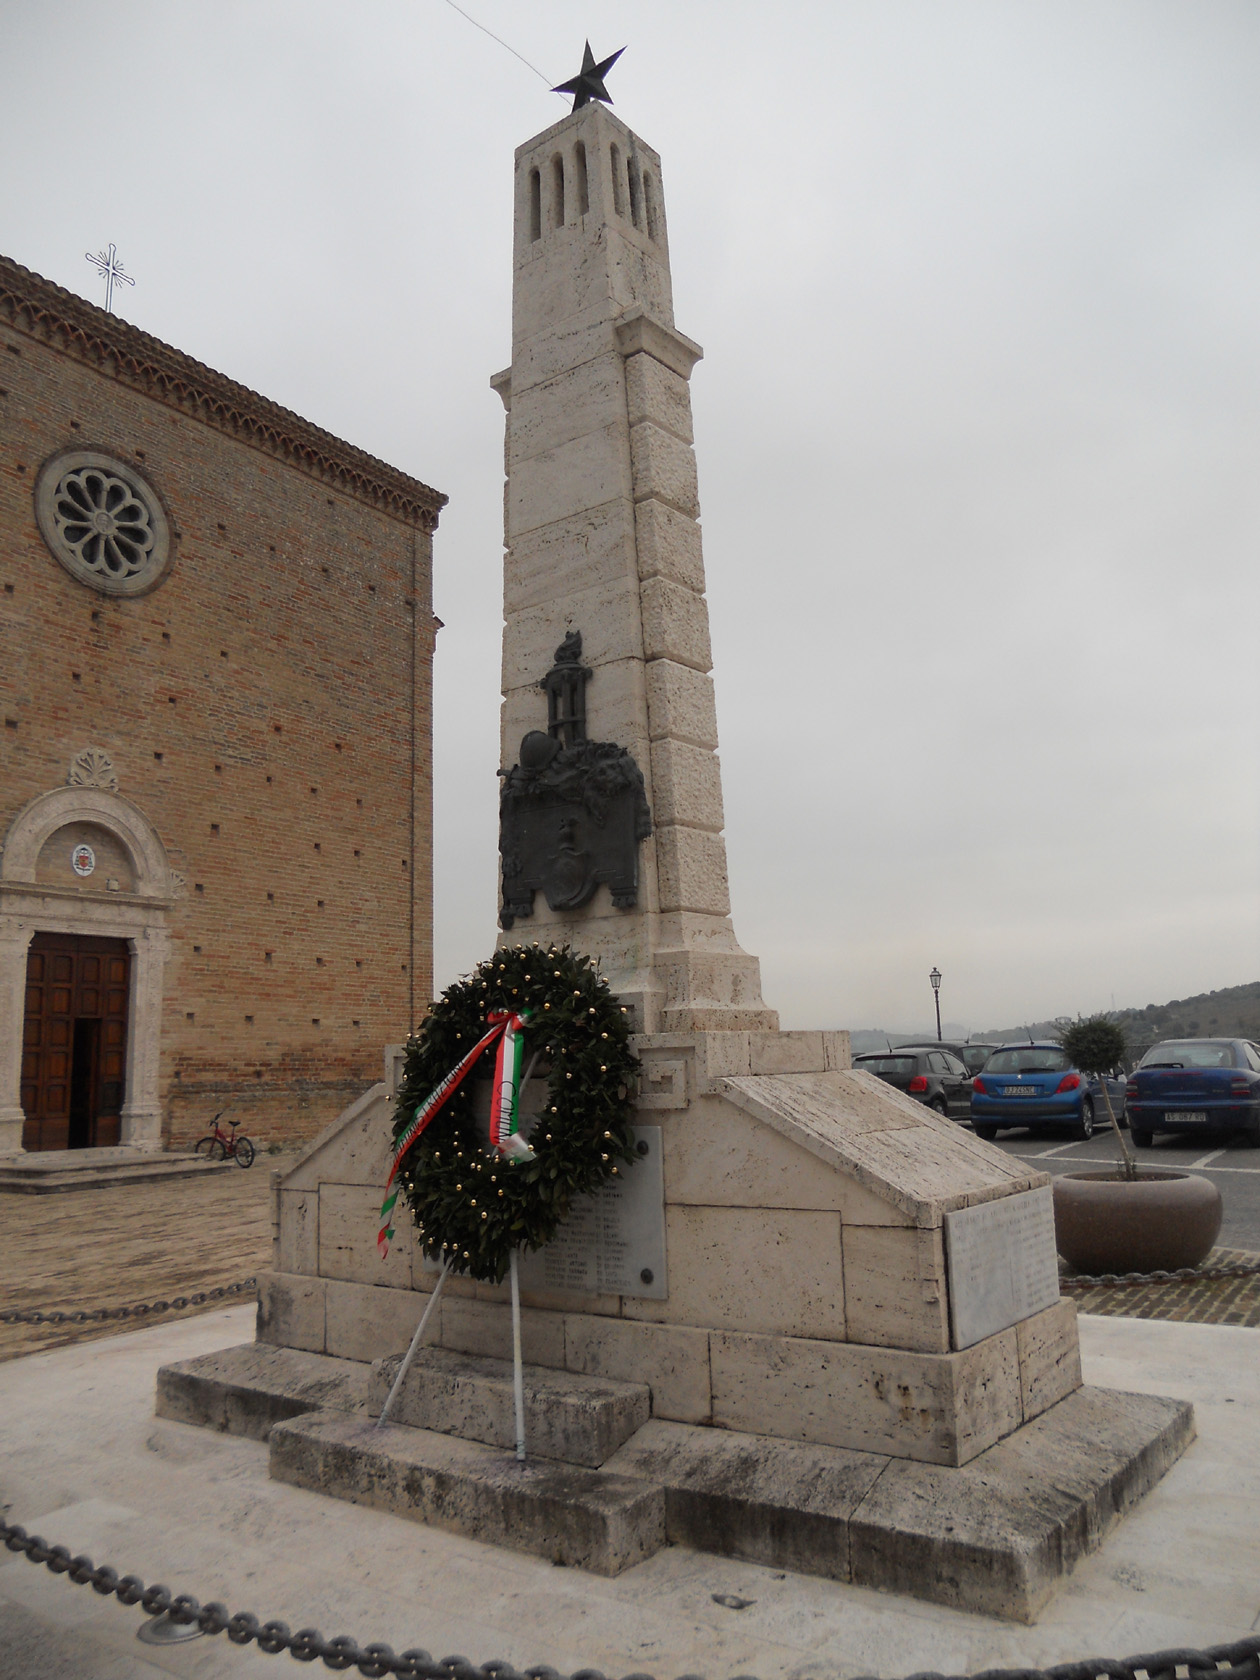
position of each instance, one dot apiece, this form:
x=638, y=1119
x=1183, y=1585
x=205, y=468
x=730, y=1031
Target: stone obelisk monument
x=603, y=543
x=816, y=1325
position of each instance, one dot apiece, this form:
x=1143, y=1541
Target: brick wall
x=267, y=706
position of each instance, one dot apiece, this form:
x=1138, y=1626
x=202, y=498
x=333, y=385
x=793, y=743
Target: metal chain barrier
x=1237, y=1661
x=95, y=1315
x=1186, y=1274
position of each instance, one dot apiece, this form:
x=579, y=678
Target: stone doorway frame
x=141, y=917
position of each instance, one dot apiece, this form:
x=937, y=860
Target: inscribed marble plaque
x=1003, y=1265
x=612, y=1243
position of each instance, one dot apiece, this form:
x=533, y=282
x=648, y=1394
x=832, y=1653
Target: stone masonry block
x=936, y=1408
x=686, y=785
x=607, y=615
x=664, y=468
x=582, y=399
x=366, y=1321
x=788, y=1052
x=587, y=1519
x=291, y=1310
x=576, y=1419
x=691, y=869
x=672, y=1359
x=775, y=1270
x=746, y=1164
x=348, y=1225
x=895, y=1288
x=592, y=549
x=585, y=473
x=675, y=625
x=669, y=545
x=656, y=393
x=839, y=1051
x=681, y=703
x=1049, y=1357
x=297, y=1246
x=485, y=1327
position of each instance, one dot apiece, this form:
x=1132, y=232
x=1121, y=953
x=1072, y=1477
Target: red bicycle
x=219, y=1145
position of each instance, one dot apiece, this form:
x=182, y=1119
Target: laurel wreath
x=472, y=1206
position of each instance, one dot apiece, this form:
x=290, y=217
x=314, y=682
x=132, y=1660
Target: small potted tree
x=1123, y=1219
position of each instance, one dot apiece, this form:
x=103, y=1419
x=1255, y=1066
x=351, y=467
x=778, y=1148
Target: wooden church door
x=74, y=1042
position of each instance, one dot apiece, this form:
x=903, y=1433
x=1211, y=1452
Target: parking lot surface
x=1234, y=1169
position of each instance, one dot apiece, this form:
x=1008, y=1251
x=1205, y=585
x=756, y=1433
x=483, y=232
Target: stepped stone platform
x=42, y=1173
x=994, y=1536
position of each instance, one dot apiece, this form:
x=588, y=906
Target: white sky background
x=978, y=423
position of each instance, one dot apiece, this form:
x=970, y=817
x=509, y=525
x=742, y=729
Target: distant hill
x=1233, y=1012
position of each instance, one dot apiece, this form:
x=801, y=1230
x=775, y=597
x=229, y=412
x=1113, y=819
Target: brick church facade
x=216, y=645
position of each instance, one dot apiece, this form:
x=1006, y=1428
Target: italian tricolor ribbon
x=505, y=1029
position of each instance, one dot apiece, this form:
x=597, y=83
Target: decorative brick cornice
x=46, y=312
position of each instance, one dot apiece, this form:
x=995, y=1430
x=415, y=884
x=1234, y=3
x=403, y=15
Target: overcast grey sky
x=978, y=422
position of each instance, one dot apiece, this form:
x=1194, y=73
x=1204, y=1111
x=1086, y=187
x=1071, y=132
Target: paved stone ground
x=127, y=1244
x=1226, y=1301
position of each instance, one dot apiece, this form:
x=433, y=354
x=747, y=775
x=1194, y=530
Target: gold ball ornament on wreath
x=586, y=1107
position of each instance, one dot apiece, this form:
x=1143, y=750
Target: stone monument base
x=992, y=1536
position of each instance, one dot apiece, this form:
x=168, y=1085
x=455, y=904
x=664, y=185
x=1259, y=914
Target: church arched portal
x=85, y=895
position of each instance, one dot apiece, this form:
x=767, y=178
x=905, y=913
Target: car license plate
x=1183, y=1114
x=1019, y=1091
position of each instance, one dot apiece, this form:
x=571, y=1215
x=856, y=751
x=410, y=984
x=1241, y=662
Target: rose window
x=103, y=522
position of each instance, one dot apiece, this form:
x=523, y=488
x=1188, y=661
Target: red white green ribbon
x=504, y=1117
x=505, y=1099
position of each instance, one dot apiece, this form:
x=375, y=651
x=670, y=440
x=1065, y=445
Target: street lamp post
x=935, y=978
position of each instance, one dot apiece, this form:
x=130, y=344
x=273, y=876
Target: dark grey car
x=936, y=1078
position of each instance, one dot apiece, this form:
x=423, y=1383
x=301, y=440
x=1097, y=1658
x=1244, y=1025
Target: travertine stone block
x=245, y=1390
x=588, y=550
x=680, y=703
x=747, y=1165
x=641, y=330
x=785, y=1505
x=937, y=1408
x=686, y=786
x=788, y=1052
x=656, y=393
x=568, y=479
x=297, y=1243
x=366, y=1321
x=353, y=1149
x=485, y=1327
x=664, y=468
x=1049, y=1357
x=576, y=1419
x=895, y=1290
x=691, y=871
x=587, y=1519
x=582, y=399
x=291, y=1310
x=614, y=712
x=549, y=1300
x=771, y=1269
x=543, y=354
x=675, y=625
x=607, y=615
x=669, y=545
x=672, y=1359
x=839, y=1051
x=348, y=1225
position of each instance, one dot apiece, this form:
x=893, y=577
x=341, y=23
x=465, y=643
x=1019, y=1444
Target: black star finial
x=588, y=84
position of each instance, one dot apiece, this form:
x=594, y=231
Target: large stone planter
x=1158, y=1222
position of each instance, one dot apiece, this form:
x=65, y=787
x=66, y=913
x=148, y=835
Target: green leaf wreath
x=470, y=1204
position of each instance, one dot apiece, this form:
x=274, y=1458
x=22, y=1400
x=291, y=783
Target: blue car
x=1036, y=1085
x=1196, y=1085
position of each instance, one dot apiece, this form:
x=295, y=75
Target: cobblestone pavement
x=1226, y=1301
x=126, y=1244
